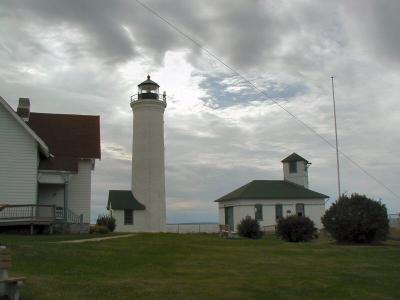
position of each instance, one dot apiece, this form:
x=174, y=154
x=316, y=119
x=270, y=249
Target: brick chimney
x=24, y=107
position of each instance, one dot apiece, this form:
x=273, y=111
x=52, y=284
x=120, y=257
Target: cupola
x=295, y=169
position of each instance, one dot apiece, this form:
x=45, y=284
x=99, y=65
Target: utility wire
x=251, y=84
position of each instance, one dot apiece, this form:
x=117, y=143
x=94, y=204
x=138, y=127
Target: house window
x=258, y=212
x=300, y=209
x=278, y=211
x=293, y=167
x=128, y=217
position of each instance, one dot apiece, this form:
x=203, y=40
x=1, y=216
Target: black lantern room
x=148, y=89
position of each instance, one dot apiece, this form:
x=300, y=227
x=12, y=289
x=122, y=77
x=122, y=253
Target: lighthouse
x=148, y=168
x=142, y=208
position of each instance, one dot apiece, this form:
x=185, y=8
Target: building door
x=229, y=217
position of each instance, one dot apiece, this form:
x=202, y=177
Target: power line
x=177, y=29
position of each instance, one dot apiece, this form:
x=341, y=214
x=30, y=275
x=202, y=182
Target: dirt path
x=95, y=239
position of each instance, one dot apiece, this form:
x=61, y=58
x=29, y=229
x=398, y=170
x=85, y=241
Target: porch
x=35, y=215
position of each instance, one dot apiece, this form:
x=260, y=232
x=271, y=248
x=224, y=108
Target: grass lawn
x=171, y=266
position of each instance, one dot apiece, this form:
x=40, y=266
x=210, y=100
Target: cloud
x=375, y=24
x=88, y=57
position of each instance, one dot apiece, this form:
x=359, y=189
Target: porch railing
x=74, y=218
x=37, y=213
x=27, y=212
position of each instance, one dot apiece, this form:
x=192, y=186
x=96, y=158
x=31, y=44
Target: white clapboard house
x=46, y=161
x=269, y=200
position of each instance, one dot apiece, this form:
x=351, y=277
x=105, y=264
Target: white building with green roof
x=269, y=200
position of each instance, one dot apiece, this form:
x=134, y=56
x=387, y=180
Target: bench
x=224, y=230
x=9, y=286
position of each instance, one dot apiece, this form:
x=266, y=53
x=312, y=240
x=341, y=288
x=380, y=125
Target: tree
x=357, y=219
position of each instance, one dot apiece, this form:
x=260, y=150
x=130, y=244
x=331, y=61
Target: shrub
x=356, y=219
x=92, y=229
x=101, y=229
x=249, y=228
x=296, y=229
x=106, y=220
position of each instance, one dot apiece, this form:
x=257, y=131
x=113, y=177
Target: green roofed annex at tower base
x=121, y=199
x=269, y=200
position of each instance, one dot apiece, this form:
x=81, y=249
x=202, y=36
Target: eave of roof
x=123, y=199
x=70, y=164
x=271, y=189
x=44, y=148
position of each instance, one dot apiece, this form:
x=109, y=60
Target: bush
x=249, y=228
x=296, y=229
x=101, y=229
x=92, y=229
x=357, y=219
x=107, y=221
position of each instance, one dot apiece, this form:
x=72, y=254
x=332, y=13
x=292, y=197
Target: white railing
x=36, y=213
x=151, y=96
x=27, y=212
x=74, y=218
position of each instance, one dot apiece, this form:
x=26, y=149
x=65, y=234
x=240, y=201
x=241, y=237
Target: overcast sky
x=88, y=56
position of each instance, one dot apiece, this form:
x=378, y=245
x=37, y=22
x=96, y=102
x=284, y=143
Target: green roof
x=120, y=199
x=271, y=189
x=294, y=157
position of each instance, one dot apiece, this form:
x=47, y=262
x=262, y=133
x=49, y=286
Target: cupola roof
x=294, y=157
x=148, y=82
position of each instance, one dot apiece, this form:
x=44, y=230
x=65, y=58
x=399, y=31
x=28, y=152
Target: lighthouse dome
x=148, y=89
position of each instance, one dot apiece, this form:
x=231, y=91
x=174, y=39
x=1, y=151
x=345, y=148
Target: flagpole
x=336, y=137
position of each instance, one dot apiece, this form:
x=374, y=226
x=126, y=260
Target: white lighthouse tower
x=148, y=169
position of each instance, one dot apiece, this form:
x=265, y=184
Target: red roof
x=69, y=137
